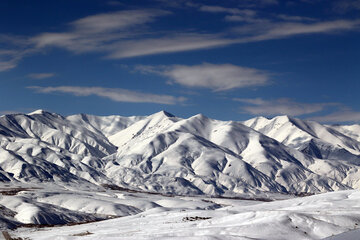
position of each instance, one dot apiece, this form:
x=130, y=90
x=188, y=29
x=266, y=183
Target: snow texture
x=84, y=168
x=313, y=217
x=166, y=154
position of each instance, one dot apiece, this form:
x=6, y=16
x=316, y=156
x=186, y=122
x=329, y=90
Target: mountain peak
x=200, y=116
x=162, y=114
x=167, y=114
x=283, y=117
x=261, y=118
x=208, y=156
x=39, y=111
x=44, y=113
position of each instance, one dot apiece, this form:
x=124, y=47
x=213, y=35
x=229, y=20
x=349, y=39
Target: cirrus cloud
x=218, y=77
x=114, y=94
x=344, y=6
x=41, y=75
x=342, y=115
x=128, y=33
x=219, y=9
x=282, y=106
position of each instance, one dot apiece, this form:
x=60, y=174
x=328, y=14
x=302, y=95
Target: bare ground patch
x=82, y=234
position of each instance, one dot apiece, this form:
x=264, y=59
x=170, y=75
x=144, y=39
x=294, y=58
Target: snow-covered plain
x=167, y=177
x=313, y=217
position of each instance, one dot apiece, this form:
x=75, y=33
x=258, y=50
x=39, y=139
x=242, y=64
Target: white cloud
x=236, y=14
x=7, y=65
x=283, y=106
x=168, y=44
x=294, y=18
x=257, y=3
x=258, y=31
x=268, y=2
x=245, y=18
x=41, y=75
x=18, y=111
x=345, y=115
x=115, y=3
x=344, y=6
x=289, y=29
x=176, y=3
x=98, y=33
x=9, y=59
x=115, y=21
x=262, y=32
x=219, y=9
x=218, y=77
x=13, y=49
x=114, y=94
x=124, y=34
x=6, y=112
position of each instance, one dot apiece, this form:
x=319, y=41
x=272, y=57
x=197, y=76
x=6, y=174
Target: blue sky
x=232, y=59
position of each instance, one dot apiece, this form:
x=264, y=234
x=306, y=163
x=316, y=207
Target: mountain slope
x=165, y=154
x=321, y=141
x=210, y=156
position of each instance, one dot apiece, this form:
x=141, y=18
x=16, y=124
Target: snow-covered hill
x=314, y=217
x=166, y=154
x=56, y=169
x=321, y=141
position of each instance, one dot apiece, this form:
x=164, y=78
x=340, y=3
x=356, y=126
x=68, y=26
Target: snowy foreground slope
x=83, y=168
x=315, y=217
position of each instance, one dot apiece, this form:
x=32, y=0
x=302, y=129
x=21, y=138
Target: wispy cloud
x=6, y=112
x=283, y=106
x=257, y=3
x=235, y=14
x=115, y=3
x=245, y=19
x=41, y=75
x=344, y=6
x=9, y=58
x=220, y=9
x=167, y=44
x=128, y=33
x=342, y=115
x=262, y=32
x=294, y=18
x=18, y=111
x=255, y=32
x=125, y=34
x=12, y=50
x=7, y=65
x=114, y=94
x=115, y=21
x=218, y=77
x=267, y=2
x=98, y=33
x=176, y=3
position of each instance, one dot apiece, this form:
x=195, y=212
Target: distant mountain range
x=165, y=154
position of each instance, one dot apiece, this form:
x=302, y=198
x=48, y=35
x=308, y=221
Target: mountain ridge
x=171, y=155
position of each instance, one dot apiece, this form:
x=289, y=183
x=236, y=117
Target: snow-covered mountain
x=321, y=141
x=165, y=154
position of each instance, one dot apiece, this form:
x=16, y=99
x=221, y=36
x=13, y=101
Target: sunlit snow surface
x=166, y=176
x=313, y=217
